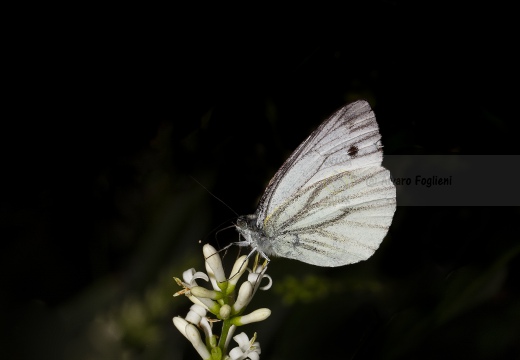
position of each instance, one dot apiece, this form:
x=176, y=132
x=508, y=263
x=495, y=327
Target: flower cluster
x=224, y=304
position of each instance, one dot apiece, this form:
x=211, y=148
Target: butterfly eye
x=241, y=222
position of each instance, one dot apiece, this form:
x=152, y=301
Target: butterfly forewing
x=349, y=139
x=331, y=203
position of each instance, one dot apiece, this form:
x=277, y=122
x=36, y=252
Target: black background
x=110, y=115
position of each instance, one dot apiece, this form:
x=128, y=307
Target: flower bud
x=214, y=262
x=238, y=269
x=202, y=292
x=216, y=353
x=255, y=316
x=211, y=305
x=225, y=311
x=180, y=324
x=244, y=296
x=193, y=336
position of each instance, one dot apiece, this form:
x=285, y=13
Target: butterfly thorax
x=253, y=235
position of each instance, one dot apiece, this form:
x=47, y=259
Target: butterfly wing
x=331, y=202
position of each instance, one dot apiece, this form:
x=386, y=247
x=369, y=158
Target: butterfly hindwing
x=337, y=221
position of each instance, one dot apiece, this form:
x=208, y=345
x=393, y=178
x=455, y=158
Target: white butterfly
x=331, y=203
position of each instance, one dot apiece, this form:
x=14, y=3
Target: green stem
x=223, y=337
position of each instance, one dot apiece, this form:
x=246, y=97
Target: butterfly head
x=253, y=235
x=246, y=226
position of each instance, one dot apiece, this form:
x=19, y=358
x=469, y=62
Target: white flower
x=189, y=277
x=245, y=349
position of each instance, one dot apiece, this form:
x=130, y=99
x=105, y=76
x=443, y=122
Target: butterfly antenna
x=205, y=188
x=219, y=230
x=227, y=227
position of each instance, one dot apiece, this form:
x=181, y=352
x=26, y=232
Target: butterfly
x=331, y=203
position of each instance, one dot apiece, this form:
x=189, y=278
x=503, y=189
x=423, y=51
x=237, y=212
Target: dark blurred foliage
x=113, y=116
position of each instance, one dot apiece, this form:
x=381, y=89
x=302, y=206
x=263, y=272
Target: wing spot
x=353, y=150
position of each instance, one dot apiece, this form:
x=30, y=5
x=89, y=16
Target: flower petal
x=253, y=355
x=230, y=335
x=195, y=314
x=242, y=340
x=190, y=276
x=206, y=326
x=237, y=354
x=268, y=286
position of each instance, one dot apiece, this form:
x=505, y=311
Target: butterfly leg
x=245, y=260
